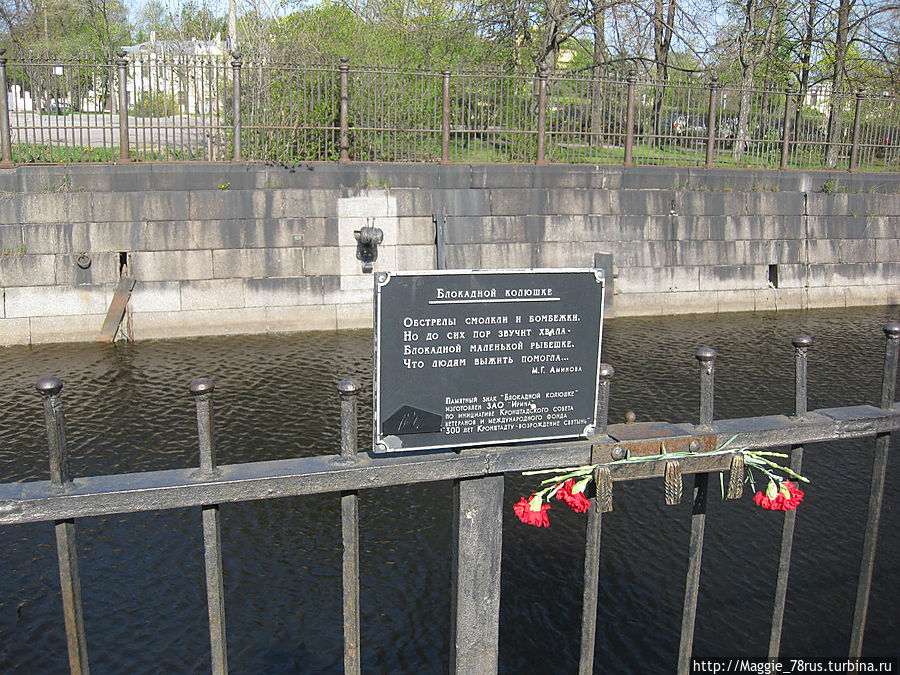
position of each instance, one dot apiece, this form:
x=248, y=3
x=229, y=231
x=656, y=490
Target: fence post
x=542, y=117
x=629, y=120
x=876, y=492
x=66, y=543
x=445, y=118
x=345, y=109
x=707, y=359
x=786, y=135
x=349, y=389
x=5, y=144
x=202, y=391
x=711, y=137
x=122, y=64
x=236, y=105
x=857, y=123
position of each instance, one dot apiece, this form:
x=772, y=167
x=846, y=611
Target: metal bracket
x=367, y=240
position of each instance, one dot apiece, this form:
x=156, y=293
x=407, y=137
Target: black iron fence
x=145, y=106
x=478, y=501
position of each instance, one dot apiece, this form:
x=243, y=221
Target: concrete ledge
x=301, y=318
x=15, y=331
x=156, y=325
x=82, y=328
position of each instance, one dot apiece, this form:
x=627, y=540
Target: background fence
x=144, y=106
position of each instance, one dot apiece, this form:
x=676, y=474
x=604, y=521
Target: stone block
x=53, y=238
x=791, y=299
x=763, y=252
x=866, y=296
x=10, y=208
x=578, y=202
x=464, y=256
x=186, y=235
x=652, y=228
x=506, y=175
x=171, y=265
x=238, y=204
x=282, y=292
x=103, y=269
x=838, y=227
x=642, y=279
x=417, y=202
x=509, y=256
x=735, y=300
x=57, y=301
x=823, y=250
x=563, y=255
x=887, y=250
x=44, y=208
x=212, y=294
x=139, y=206
x=159, y=296
x=416, y=257
x=358, y=315
x=509, y=202
x=697, y=228
x=27, y=270
x=119, y=236
x=167, y=325
x=732, y=277
x=415, y=230
x=745, y=227
x=857, y=250
x=784, y=227
x=321, y=261
x=775, y=203
x=363, y=205
x=792, y=276
x=15, y=332
x=301, y=318
x=824, y=297
x=282, y=233
x=77, y=328
x=854, y=274
x=459, y=203
x=685, y=278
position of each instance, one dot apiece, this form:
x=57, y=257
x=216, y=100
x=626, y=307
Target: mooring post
x=629, y=119
x=66, y=542
x=801, y=345
x=707, y=359
x=592, y=540
x=121, y=65
x=882, y=443
x=349, y=389
x=202, y=391
x=236, y=106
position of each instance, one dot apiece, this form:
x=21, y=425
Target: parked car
x=54, y=107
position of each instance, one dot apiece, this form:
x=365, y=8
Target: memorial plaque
x=467, y=358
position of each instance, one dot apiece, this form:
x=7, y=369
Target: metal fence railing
x=478, y=502
x=146, y=106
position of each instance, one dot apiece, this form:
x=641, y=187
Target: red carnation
x=575, y=501
x=785, y=497
x=532, y=511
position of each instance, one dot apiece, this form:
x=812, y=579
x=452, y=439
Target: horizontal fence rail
x=478, y=500
x=146, y=106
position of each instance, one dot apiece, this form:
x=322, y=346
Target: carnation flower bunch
x=569, y=484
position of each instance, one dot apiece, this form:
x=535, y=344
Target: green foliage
x=155, y=104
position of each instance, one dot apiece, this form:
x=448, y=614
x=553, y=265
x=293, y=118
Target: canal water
x=128, y=409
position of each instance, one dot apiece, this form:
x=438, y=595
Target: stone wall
x=252, y=248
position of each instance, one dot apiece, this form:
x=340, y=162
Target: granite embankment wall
x=251, y=248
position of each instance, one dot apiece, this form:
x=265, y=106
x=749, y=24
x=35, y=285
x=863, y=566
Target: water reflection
x=129, y=409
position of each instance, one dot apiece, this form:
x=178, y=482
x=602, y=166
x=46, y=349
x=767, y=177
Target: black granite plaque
x=467, y=358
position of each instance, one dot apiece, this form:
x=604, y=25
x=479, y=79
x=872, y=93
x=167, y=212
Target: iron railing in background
x=478, y=501
x=144, y=106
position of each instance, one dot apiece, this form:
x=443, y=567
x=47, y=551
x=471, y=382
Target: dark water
x=143, y=586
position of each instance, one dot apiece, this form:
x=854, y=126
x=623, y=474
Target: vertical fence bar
x=445, y=118
x=348, y=390
x=66, y=542
x=711, y=134
x=707, y=358
x=882, y=443
x=592, y=543
x=202, y=391
x=542, y=118
x=121, y=65
x=629, y=120
x=475, y=610
x=786, y=123
x=801, y=345
x=857, y=123
x=236, y=105
x=344, y=69
x=5, y=141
